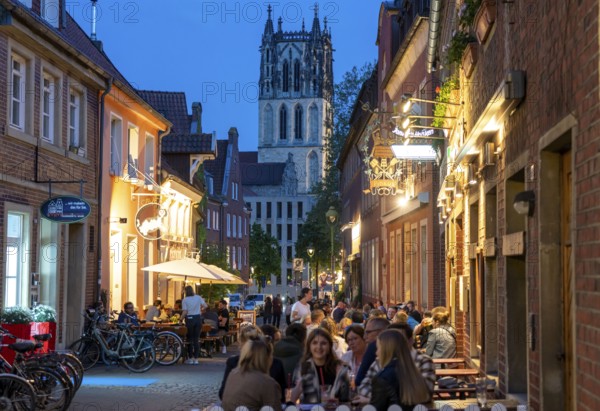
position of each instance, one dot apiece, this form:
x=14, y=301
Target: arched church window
x=313, y=118
x=286, y=76
x=283, y=123
x=298, y=123
x=268, y=56
x=296, y=75
x=313, y=169
x=268, y=122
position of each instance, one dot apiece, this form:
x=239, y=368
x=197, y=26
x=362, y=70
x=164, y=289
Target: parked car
x=256, y=302
x=234, y=301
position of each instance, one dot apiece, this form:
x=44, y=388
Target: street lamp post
x=332, y=217
x=311, y=251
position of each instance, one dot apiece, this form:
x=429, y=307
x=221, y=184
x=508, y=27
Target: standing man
x=223, y=314
x=277, y=310
x=301, y=308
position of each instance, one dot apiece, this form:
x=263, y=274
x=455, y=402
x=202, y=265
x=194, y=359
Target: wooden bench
x=456, y=372
x=458, y=405
x=444, y=361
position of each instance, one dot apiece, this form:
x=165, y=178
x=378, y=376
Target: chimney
x=233, y=136
x=196, y=126
x=93, y=37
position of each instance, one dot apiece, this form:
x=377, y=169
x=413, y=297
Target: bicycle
x=52, y=387
x=16, y=393
x=133, y=349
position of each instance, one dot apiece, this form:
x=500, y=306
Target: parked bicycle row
x=37, y=380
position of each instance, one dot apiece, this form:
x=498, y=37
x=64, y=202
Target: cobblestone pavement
x=173, y=388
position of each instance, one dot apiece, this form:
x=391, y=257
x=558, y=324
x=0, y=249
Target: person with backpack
x=277, y=310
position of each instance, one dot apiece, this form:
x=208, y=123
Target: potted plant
x=44, y=318
x=469, y=59
x=17, y=321
x=484, y=20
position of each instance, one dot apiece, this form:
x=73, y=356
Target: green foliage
x=467, y=13
x=215, y=255
x=444, y=96
x=44, y=313
x=264, y=255
x=16, y=315
x=457, y=46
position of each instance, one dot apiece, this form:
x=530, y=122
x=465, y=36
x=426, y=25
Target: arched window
x=313, y=119
x=283, y=123
x=314, y=86
x=313, y=169
x=268, y=122
x=296, y=75
x=268, y=56
x=298, y=123
x=286, y=76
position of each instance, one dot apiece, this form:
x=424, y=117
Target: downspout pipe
x=435, y=16
x=109, y=85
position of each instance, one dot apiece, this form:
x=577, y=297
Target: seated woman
x=355, y=338
x=276, y=371
x=249, y=384
x=399, y=381
x=320, y=366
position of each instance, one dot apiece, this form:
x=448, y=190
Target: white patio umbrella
x=190, y=268
x=186, y=267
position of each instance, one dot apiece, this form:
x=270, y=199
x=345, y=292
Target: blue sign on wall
x=65, y=209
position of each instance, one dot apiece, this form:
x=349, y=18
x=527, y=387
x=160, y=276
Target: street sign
x=298, y=264
x=65, y=209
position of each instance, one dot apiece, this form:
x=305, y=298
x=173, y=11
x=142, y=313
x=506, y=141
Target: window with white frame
x=239, y=256
x=50, y=11
x=233, y=259
x=149, y=158
x=217, y=220
x=17, y=99
x=16, y=257
x=239, y=226
x=228, y=225
x=116, y=146
x=75, y=134
x=215, y=226
x=208, y=219
x=133, y=138
x=245, y=227
x=234, y=225
x=210, y=185
x=48, y=107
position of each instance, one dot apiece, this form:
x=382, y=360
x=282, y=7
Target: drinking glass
x=325, y=393
x=481, y=391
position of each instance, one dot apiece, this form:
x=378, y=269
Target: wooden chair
x=210, y=341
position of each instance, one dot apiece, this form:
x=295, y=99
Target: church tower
x=295, y=101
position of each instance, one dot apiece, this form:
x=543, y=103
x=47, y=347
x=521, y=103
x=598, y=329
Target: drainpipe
x=101, y=168
x=159, y=176
x=434, y=32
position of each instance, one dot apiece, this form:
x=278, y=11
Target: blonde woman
x=399, y=381
x=249, y=384
x=249, y=333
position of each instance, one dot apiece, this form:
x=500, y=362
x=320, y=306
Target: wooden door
x=567, y=274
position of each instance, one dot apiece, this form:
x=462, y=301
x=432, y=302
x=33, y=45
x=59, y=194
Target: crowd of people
x=364, y=355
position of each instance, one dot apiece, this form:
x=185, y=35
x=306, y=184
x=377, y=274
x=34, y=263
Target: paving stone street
x=173, y=388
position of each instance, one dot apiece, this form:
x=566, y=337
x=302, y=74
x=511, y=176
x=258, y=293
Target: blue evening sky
x=209, y=49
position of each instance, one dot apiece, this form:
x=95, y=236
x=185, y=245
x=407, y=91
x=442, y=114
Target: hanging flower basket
x=469, y=59
x=484, y=20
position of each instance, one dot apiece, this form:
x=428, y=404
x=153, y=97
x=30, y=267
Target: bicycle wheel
x=139, y=358
x=87, y=351
x=74, y=366
x=16, y=394
x=168, y=346
x=53, y=392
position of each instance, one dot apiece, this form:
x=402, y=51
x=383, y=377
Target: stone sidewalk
x=177, y=387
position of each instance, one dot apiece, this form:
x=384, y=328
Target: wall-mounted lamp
x=524, y=203
x=471, y=174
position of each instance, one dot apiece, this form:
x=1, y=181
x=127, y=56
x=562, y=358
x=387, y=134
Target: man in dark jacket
x=291, y=348
x=277, y=310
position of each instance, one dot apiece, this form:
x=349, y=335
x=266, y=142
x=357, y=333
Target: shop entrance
x=75, y=280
